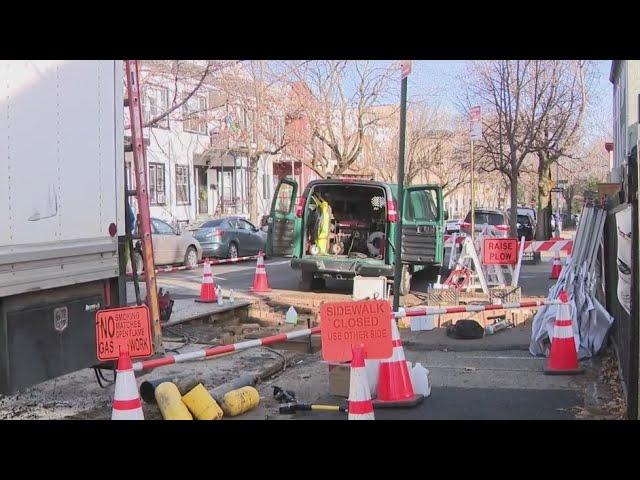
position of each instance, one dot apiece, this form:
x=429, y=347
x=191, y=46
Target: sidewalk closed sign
x=500, y=251
x=127, y=328
x=349, y=324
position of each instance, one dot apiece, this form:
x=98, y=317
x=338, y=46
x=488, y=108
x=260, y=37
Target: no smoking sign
x=127, y=328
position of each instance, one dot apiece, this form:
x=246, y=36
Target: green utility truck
x=359, y=237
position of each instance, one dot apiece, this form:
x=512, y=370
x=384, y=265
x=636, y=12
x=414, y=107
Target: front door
x=283, y=238
x=422, y=225
x=248, y=237
x=202, y=190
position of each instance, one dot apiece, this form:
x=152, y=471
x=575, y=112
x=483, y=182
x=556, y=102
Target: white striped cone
x=260, y=279
x=556, y=268
x=126, y=399
x=563, y=356
x=208, y=288
x=360, y=405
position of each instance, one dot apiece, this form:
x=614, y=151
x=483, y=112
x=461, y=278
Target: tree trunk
x=568, y=194
x=252, y=191
x=513, y=212
x=543, y=227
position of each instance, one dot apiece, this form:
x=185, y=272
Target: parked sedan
x=497, y=220
x=171, y=246
x=230, y=237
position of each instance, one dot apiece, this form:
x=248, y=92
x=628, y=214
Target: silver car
x=230, y=237
x=171, y=247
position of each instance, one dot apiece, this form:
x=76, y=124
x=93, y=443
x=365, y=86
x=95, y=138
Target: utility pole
x=475, y=133
x=406, y=69
x=473, y=195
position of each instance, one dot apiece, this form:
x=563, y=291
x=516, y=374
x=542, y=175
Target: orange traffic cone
x=126, y=400
x=394, y=383
x=556, y=268
x=260, y=280
x=563, y=358
x=208, y=288
x=360, y=405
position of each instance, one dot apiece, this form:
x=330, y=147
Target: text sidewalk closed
x=349, y=324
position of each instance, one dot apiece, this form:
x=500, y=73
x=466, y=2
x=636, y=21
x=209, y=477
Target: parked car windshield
x=524, y=220
x=162, y=228
x=244, y=225
x=486, y=217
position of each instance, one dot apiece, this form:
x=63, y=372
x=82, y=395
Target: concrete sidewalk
x=494, y=378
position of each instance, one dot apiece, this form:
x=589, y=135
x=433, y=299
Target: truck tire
x=405, y=281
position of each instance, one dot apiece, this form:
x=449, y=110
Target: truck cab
x=343, y=227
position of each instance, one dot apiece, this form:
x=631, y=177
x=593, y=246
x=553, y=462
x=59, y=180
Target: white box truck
x=61, y=213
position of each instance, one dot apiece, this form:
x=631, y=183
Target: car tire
x=233, y=251
x=191, y=257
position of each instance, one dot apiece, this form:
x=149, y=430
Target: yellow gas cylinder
x=170, y=402
x=240, y=401
x=201, y=404
x=325, y=227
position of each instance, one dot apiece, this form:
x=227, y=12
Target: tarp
x=591, y=321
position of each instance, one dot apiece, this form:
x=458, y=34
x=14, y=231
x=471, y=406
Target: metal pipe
x=184, y=382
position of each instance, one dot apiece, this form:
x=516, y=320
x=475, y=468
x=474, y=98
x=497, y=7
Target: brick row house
x=198, y=155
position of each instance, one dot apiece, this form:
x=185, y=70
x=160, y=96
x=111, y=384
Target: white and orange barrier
x=553, y=245
x=221, y=261
x=283, y=337
x=214, y=351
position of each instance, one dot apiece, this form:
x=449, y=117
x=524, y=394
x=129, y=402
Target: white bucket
x=419, y=379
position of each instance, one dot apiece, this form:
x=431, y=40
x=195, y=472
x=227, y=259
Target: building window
x=156, y=184
x=182, y=185
x=155, y=101
x=194, y=112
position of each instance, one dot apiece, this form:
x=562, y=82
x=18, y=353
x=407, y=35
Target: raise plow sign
x=500, y=251
x=127, y=328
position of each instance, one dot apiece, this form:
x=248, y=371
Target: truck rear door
x=284, y=233
x=422, y=225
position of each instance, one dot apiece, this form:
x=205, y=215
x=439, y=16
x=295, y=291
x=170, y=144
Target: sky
x=437, y=81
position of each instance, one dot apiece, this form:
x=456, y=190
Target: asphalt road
x=533, y=278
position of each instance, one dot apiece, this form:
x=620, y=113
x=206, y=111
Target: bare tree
x=511, y=94
x=342, y=106
x=559, y=129
x=590, y=166
x=254, y=100
x=436, y=150
x=187, y=78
